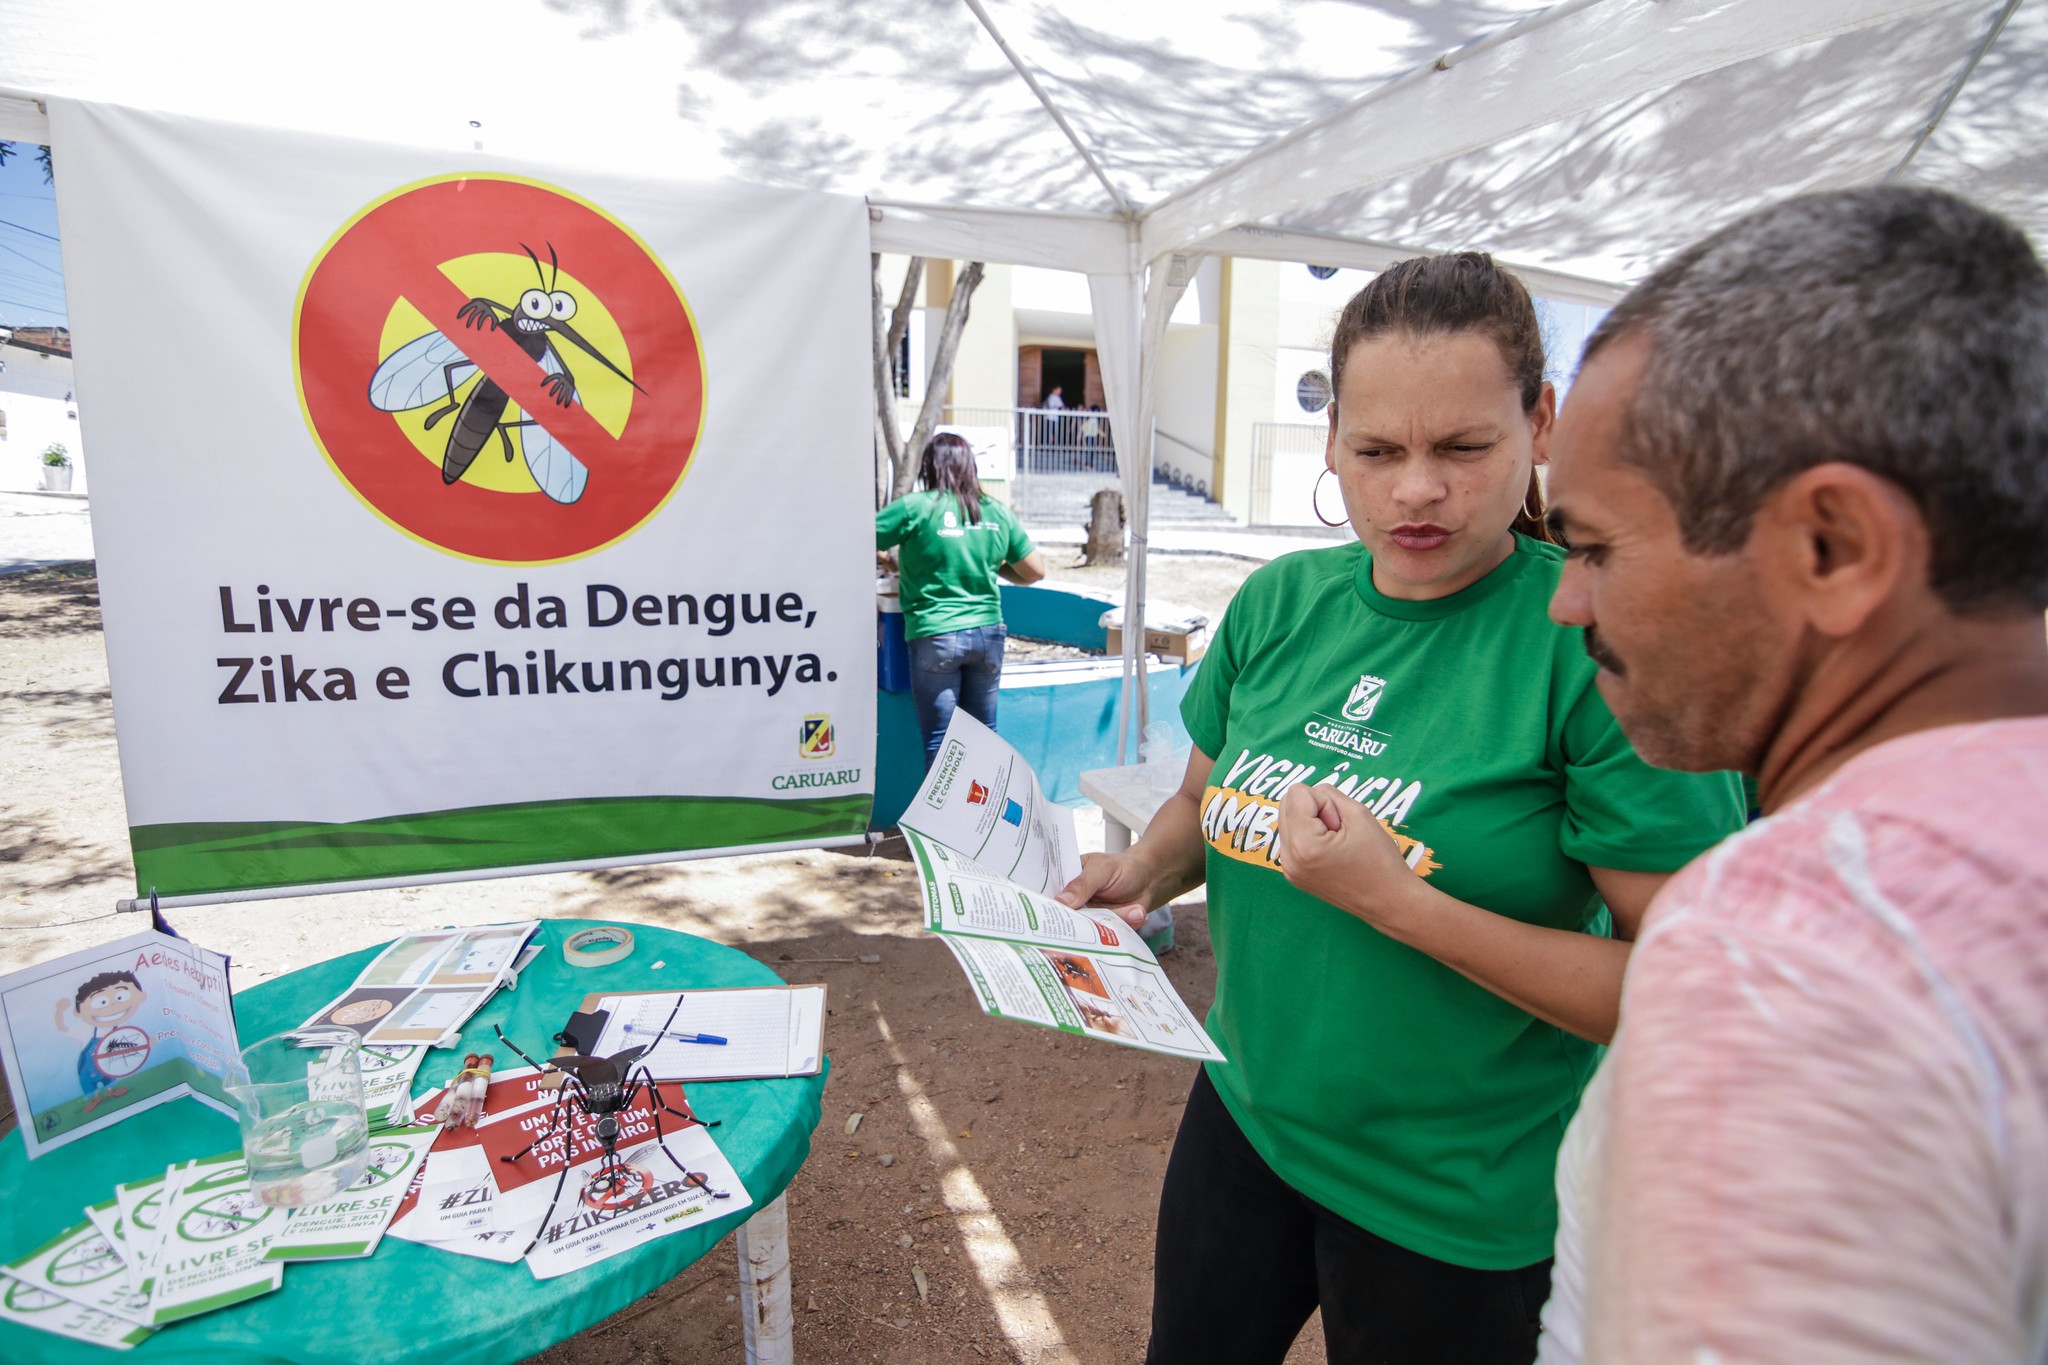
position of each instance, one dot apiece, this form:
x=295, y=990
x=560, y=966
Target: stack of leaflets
x=519, y=1186
x=162, y=1249
x=193, y=1239
x=992, y=852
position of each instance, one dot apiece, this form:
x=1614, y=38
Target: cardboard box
x=1180, y=646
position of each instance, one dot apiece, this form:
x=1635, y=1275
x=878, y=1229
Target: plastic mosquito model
x=595, y=1091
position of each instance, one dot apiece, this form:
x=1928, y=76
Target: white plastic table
x=1129, y=801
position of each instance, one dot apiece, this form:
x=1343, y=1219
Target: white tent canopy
x=1580, y=141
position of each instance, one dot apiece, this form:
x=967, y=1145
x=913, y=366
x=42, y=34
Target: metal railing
x=1179, y=471
x=1287, y=459
x=1041, y=440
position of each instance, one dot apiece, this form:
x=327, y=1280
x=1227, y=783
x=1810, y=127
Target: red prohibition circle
x=121, y=1052
x=400, y=248
x=617, y=1189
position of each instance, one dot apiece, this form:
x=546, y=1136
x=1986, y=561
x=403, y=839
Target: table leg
x=763, y=1243
x=1116, y=835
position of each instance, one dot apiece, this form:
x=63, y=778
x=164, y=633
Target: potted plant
x=56, y=468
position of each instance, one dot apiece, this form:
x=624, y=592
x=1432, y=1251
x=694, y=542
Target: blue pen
x=679, y=1037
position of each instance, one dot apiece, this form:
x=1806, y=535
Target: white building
x=1243, y=374
x=37, y=410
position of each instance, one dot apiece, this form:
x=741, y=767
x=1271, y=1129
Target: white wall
x=1290, y=363
x=1185, y=405
x=1565, y=329
x=35, y=394
x=1309, y=306
x=985, y=366
x=1050, y=291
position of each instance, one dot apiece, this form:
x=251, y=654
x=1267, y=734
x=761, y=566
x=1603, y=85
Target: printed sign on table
x=96, y=1035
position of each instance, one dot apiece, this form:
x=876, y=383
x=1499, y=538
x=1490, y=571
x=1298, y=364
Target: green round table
x=410, y=1302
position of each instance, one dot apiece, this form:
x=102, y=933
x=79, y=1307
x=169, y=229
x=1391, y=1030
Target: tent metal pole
x=1124, y=206
x=1955, y=88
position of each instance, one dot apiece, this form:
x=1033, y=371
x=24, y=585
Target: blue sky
x=31, y=269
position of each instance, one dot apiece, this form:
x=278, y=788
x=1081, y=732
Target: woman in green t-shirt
x=1408, y=1020
x=954, y=543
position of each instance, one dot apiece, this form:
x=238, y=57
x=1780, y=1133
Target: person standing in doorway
x=1057, y=434
x=952, y=543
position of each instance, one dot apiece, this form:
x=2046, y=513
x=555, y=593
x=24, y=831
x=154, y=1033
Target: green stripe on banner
x=200, y=858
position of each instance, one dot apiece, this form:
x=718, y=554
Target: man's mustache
x=1602, y=655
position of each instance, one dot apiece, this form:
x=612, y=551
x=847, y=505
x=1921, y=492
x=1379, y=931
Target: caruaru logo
x=1365, y=696
x=814, y=737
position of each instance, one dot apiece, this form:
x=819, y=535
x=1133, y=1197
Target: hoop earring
x=1532, y=503
x=1315, y=502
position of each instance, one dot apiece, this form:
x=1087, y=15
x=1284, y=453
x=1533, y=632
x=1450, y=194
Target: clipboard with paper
x=769, y=1032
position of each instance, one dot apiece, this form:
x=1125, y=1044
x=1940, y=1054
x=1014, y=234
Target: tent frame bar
x=1123, y=204
x=1955, y=88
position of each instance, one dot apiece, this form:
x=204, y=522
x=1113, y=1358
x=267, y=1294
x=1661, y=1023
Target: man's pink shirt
x=1822, y=1133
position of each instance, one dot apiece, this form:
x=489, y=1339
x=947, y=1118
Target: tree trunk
x=887, y=339
x=1105, y=529
x=941, y=377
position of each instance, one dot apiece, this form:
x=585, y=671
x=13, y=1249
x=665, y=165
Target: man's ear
x=1844, y=542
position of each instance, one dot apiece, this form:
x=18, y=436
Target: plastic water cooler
x=892, y=651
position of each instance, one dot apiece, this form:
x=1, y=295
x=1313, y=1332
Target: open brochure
x=990, y=852
x=424, y=987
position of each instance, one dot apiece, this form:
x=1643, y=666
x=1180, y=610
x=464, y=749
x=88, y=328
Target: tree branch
x=944, y=351
x=899, y=320
x=885, y=383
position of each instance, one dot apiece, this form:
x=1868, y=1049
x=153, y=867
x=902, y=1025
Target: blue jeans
x=951, y=669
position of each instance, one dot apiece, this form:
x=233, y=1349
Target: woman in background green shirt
x=1408, y=1020
x=954, y=543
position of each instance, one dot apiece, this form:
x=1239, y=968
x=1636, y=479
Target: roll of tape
x=597, y=947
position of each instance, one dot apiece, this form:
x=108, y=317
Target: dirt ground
x=1016, y=1168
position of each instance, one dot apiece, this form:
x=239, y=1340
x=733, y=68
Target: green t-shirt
x=1372, y=1078
x=949, y=563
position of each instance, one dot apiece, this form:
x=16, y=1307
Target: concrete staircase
x=1061, y=500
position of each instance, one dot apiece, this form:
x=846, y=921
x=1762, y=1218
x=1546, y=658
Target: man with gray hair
x=1804, y=479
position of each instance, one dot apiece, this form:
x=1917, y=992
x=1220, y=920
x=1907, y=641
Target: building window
x=1312, y=391
x=1322, y=272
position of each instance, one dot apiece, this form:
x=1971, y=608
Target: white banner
x=455, y=517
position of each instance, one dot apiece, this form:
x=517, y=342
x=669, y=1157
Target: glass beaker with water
x=1165, y=763
x=305, y=1133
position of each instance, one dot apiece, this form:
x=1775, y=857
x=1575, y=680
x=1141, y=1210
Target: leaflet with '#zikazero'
x=1027, y=956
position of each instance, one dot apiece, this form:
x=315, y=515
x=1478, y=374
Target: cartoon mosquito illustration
x=423, y=371
x=595, y=1092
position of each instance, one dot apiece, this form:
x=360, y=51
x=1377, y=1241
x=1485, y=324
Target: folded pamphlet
x=990, y=852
